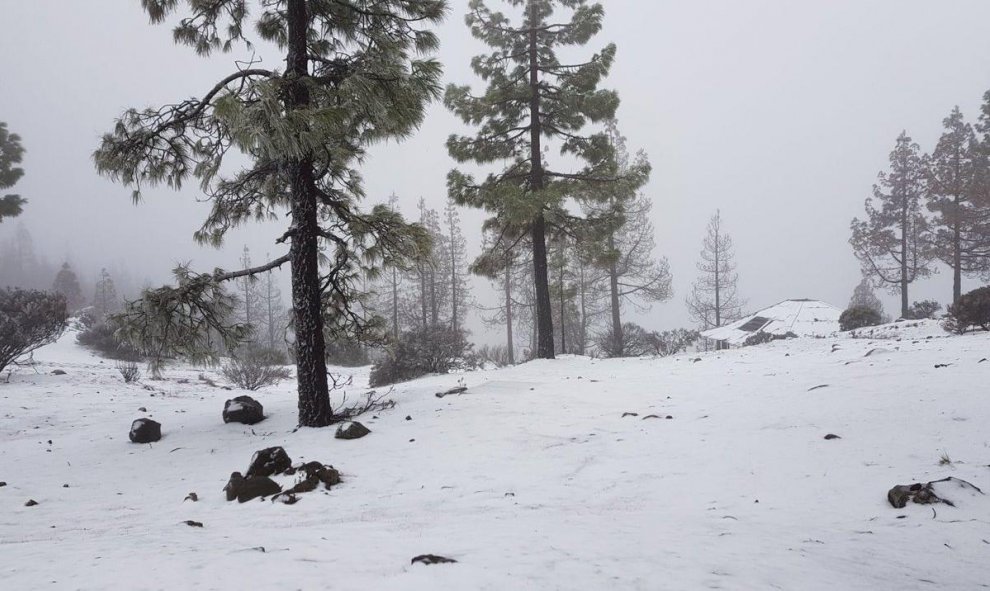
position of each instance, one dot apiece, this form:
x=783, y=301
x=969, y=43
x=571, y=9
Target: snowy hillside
x=536, y=478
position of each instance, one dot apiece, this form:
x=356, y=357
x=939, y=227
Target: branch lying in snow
x=373, y=402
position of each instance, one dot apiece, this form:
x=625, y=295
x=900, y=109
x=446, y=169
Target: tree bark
x=544, y=312
x=508, y=310
x=618, y=346
x=957, y=252
x=904, y=260
x=311, y=364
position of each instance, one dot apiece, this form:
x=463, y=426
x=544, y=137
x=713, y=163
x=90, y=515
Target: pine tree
x=67, y=284
x=501, y=262
x=714, y=300
x=625, y=248
x=960, y=228
x=353, y=77
x=456, y=250
x=105, y=298
x=892, y=243
x=864, y=297
x=11, y=154
x=532, y=99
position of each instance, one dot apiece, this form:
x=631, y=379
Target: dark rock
x=408, y=418
x=58, y=372
x=3, y=484
x=142, y=409
x=145, y=431
x=65, y=486
x=272, y=460
x=650, y=417
x=31, y=503
x=630, y=414
x=244, y=489
x=455, y=390
x=669, y=417
x=832, y=436
x=432, y=559
x=191, y=497
x=192, y=523
x=351, y=430
x=244, y=410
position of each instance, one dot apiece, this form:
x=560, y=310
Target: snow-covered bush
x=255, y=367
x=923, y=309
x=28, y=320
x=129, y=371
x=419, y=352
x=859, y=317
x=972, y=310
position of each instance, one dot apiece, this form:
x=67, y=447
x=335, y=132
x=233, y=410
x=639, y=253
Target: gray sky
x=778, y=112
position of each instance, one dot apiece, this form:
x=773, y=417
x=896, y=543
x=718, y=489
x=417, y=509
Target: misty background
x=778, y=113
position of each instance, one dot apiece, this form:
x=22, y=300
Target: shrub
x=858, y=317
x=129, y=371
x=417, y=353
x=28, y=320
x=761, y=338
x=923, y=309
x=100, y=338
x=497, y=355
x=972, y=309
x=637, y=341
x=254, y=367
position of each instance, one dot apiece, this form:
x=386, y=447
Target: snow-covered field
x=533, y=479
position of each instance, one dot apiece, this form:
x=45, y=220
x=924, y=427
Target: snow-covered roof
x=805, y=318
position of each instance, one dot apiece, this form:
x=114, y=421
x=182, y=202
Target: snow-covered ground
x=533, y=479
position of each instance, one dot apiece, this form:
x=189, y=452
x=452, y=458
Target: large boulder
x=351, y=430
x=244, y=489
x=272, y=460
x=145, y=431
x=243, y=409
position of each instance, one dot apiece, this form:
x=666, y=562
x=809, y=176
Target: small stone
x=191, y=497
x=142, y=409
x=65, y=486
x=351, y=430
x=58, y=372
x=192, y=523
x=31, y=503
x=244, y=410
x=630, y=414
x=408, y=418
x=832, y=436
x=669, y=417
x=3, y=484
x=432, y=559
x=145, y=431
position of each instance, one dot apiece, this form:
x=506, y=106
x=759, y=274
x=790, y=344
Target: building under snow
x=802, y=318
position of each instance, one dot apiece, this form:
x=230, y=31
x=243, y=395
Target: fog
x=778, y=113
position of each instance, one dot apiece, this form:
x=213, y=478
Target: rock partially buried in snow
x=271, y=460
x=455, y=390
x=831, y=436
x=145, y=431
x=351, y=430
x=936, y=491
x=244, y=410
x=244, y=489
x=432, y=559
x=31, y=503
x=58, y=372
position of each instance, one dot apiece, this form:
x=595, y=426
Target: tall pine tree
x=892, y=243
x=714, y=299
x=352, y=76
x=960, y=228
x=533, y=98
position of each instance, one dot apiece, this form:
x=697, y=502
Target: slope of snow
x=533, y=479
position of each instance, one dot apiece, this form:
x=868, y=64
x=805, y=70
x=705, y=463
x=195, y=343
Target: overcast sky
x=780, y=113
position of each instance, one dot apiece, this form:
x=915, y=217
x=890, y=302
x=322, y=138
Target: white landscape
x=531, y=479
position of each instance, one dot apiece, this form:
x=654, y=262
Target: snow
x=534, y=480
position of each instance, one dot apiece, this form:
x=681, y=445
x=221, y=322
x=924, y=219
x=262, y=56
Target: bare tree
x=713, y=300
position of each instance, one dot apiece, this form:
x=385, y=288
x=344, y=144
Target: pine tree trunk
x=957, y=253
x=618, y=346
x=508, y=311
x=453, y=279
x=544, y=313
x=311, y=364
x=395, y=304
x=904, y=262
